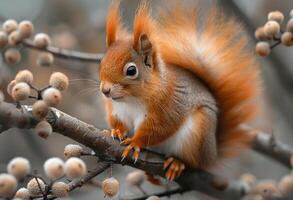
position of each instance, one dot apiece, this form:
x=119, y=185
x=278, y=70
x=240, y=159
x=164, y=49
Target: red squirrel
x=180, y=87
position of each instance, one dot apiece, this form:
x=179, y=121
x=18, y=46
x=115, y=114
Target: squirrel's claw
x=127, y=141
x=174, y=168
x=132, y=146
x=116, y=133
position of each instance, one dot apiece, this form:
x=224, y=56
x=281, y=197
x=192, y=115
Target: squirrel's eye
x=130, y=70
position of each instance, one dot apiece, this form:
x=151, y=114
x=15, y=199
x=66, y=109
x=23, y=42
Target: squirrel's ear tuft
x=114, y=27
x=143, y=26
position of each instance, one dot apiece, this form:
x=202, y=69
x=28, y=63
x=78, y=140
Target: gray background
x=79, y=24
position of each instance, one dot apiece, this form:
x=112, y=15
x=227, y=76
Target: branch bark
x=110, y=150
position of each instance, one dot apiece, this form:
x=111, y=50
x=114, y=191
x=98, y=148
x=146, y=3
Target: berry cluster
x=269, y=189
x=19, y=171
x=12, y=36
x=21, y=88
x=271, y=34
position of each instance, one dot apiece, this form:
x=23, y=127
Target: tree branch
x=67, y=54
x=268, y=145
x=110, y=150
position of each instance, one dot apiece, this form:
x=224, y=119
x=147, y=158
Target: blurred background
x=79, y=25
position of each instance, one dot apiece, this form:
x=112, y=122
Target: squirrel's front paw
x=117, y=133
x=174, y=168
x=131, y=146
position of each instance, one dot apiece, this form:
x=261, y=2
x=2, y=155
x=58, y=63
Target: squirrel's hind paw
x=174, y=168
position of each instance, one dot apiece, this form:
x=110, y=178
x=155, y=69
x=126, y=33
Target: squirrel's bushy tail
x=216, y=52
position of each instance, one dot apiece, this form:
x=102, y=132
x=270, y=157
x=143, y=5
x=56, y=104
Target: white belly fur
x=131, y=112
x=174, y=144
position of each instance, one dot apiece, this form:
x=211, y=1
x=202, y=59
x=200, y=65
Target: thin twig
x=101, y=167
x=66, y=54
x=275, y=44
x=40, y=188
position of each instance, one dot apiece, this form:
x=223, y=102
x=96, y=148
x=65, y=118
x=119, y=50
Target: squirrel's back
x=216, y=52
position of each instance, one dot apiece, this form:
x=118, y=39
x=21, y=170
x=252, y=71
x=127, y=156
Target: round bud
x=42, y=40
x=20, y=91
x=268, y=189
x=9, y=25
x=286, y=186
x=153, y=198
x=45, y=59
x=290, y=25
x=136, y=178
x=287, y=39
x=12, y=56
x=263, y=49
x=276, y=16
x=260, y=33
x=8, y=185
x=10, y=87
x=43, y=129
x=110, y=187
x=52, y=96
x=35, y=187
x=19, y=167
x=3, y=39
x=272, y=28
x=54, y=168
x=1, y=97
x=24, y=76
x=26, y=29
x=72, y=150
x=40, y=110
x=75, y=168
x=14, y=38
x=59, y=81
x=23, y=194
x=60, y=189
x=249, y=179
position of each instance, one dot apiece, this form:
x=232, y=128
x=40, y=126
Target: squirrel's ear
x=113, y=23
x=145, y=45
x=145, y=49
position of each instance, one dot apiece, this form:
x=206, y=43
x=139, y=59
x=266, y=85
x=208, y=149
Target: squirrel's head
x=130, y=61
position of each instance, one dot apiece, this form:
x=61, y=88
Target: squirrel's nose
x=106, y=91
